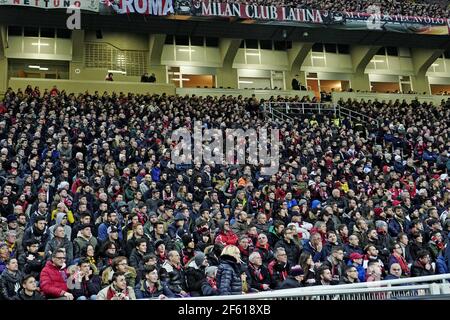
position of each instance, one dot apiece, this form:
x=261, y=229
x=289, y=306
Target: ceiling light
x=186, y=50
x=43, y=69
x=39, y=44
x=33, y=67
x=244, y=81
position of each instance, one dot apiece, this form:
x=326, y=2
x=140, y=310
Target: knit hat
x=210, y=271
x=179, y=217
x=296, y=271
x=199, y=258
x=378, y=211
x=315, y=204
x=11, y=218
x=186, y=239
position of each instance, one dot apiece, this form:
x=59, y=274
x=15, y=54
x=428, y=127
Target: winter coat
x=441, y=265
x=87, y=288
x=208, y=289
x=110, y=293
x=418, y=270
x=240, y=228
x=226, y=238
x=80, y=243
x=290, y=283
x=53, y=281
x=33, y=267
x=292, y=250
x=317, y=256
x=22, y=296
x=195, y=276
x=142, y=291
x=10, y=284
x=258, y=277
x=278, y=273
x=31, y=233
x=175, y=277
x=136, y=260
x=55, y=244
x=229, y=276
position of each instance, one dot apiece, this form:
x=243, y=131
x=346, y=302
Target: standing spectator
x=229, y=272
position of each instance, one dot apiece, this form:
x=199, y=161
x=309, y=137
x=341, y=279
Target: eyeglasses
x=60, y=258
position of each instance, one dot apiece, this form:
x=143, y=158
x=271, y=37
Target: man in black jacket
x=195, y=273
x=292, y=249
x=422, y=266
x=30, y=262
x=10, y=280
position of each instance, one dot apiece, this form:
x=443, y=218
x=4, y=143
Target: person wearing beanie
x=178, y=224
x=209, y=286
x=295, y=278
x=195, y=273
x=187, y=253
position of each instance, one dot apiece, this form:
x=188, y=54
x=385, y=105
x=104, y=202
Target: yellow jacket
x=70, y=217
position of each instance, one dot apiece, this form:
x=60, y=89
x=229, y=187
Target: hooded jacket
x=67, y=229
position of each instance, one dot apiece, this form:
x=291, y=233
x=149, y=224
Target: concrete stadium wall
x=91, y=86
x=436, y=99
x=260, y=94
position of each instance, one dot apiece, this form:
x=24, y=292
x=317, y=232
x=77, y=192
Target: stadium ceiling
x=222, y=29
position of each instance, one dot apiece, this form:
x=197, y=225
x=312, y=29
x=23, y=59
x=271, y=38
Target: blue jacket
x=394, y=227
x=142, y=292
x=441, y=265
x=316, y=256
x=361, y=271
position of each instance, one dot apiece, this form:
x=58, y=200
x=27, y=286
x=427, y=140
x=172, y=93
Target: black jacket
x=290, y=283
x=9, y=285
x=418, y=270
x=194, y=279
x=33, y=267
x=292, y=250
x=229, y=276
x=175, y=278
x=88, y=288
x=22, y=296
x=259, y=277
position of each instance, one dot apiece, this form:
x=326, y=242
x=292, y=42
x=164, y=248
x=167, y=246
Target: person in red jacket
x=54, y=277
x=226, y=236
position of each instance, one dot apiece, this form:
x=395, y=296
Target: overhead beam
x=228, y=49
x=361, y=56
x=156, y=45
x=297, y=54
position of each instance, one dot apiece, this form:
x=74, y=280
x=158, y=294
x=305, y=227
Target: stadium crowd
x=425, y=8
x=92, y=206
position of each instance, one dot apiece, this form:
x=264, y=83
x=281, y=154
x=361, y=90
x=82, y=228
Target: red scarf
x=402, y=262
x=111, y=293
x=212, y=282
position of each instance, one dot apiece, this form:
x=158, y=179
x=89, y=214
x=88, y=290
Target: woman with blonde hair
x=229, y=272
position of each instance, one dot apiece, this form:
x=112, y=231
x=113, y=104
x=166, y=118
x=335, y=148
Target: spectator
x=195, y=274
x=109, y=77
x=422, y=266
x=294, y=280
x=229, y=272
x=151, y=286
x=209, y=287
x=279, y=268
x=29, y=289
x=291, y=248
x=351, y=275
x=10, y=280
x=117, y=290
x=83, y=283
x=395, y=272
x=54, y=277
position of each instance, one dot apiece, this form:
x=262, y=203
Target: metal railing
x=288, y=111
x=377, y=290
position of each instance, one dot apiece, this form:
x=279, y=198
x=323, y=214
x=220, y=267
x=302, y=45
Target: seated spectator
x=356, y=260
x=10, y=280
x=422, y=266
x=259, y=274
x=395, y=272
x=294, y=280
x=195, y=274
x=279, y=268
x=209, y=287
x=351, y=276
x=117, y=290
x=29, y=289
x=119, y=264
x=151, y=286
x=54, y=276
x=83, y=283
